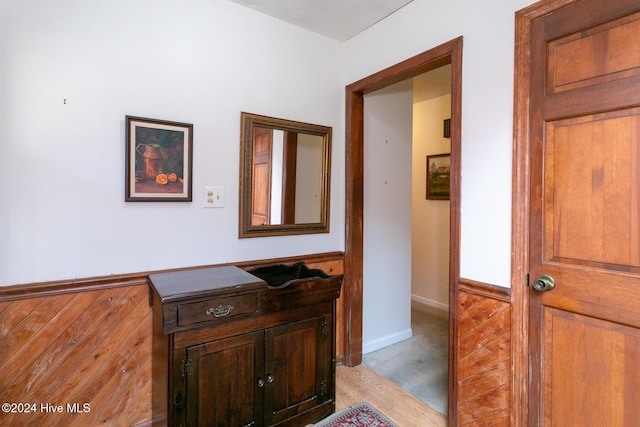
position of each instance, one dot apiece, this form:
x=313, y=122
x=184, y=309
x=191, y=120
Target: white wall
x=487, y=110
x=430, y=218
x=277, y=157
x=62, y=209
x=62, y=213
x=387, y=216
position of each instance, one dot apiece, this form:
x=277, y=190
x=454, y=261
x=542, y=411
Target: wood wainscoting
x=86, y=347
x=78, y=353
x=483, y=385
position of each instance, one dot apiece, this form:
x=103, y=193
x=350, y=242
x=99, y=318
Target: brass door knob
x=544, y=283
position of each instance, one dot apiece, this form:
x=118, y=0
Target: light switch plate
x=213, y=197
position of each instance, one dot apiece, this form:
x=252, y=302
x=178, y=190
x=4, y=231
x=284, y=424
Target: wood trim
x=60, y=287
x=407, y=69
x=354, y=227
x=42, y=289
x=289, y=162
x=486, y=290
x=450, y=52
x=520, y=206
x=455, y=49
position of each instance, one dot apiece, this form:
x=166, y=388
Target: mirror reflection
x=284, y=177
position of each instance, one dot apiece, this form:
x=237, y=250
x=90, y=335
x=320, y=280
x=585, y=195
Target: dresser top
x=179, y=285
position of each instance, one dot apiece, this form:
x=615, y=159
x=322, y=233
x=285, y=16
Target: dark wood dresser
x=232, y=349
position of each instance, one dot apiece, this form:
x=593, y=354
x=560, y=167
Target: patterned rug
x=359, y=415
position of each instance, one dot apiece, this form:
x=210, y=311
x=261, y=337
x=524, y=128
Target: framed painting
x=158, y=160
x=438, y=176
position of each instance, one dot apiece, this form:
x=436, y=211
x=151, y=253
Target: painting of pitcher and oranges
x=158, y=160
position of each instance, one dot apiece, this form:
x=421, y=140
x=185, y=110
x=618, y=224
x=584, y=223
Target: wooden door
x=261, y=176
x=224, y=386
x=298, y=369
x=584, y=335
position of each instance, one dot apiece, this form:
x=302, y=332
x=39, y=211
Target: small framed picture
x=446, y=128
x=158, y=160
x=438, y=176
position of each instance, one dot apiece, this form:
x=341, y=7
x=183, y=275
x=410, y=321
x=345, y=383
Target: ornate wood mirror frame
x=285, y=170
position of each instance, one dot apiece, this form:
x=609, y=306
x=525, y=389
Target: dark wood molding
x=354, y=206
x=520, y=223
x=520, y=206
x=42, y=289
x=407, y=69
x=60, y=287
x=455, y=51
x=290, y=160
x=486, y=290
x=447, y=53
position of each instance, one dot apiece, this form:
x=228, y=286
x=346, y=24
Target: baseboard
x=379, y=343
x=430, y=302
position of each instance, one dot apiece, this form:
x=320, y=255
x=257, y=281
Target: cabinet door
x=222, y=382
x=298, y=368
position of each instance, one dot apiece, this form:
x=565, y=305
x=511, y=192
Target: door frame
x=520, y=231
x=447, y=53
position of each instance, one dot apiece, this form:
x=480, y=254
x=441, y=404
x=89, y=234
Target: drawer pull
x=220, y=311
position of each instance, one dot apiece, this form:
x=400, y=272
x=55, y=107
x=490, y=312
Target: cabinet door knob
x=260, y=382
x=178, y=399
x=269, y=378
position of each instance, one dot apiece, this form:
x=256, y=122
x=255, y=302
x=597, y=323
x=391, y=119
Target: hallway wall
x=387, y=216
x=406, y=237
x=430, y=218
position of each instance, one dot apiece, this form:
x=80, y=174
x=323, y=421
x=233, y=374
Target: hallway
x=419, y=364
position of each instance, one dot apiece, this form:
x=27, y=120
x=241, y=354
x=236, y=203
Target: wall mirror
x=285, y=169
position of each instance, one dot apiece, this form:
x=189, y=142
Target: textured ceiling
x=337, y=19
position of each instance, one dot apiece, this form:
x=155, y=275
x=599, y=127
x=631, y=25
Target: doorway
x=406, y=244
x=448, y=53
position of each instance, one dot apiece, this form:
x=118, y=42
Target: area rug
x=359, y=415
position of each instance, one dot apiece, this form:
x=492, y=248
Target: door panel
x=593, y=162
x=585, y=215
x=222, y=382
x=600, y=377
x=261, y=176
x=298, y=367
x=595, y=55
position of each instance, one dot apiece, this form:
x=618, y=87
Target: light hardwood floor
x=361, y=384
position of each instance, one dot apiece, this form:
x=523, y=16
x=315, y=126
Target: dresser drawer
x=216, y=308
